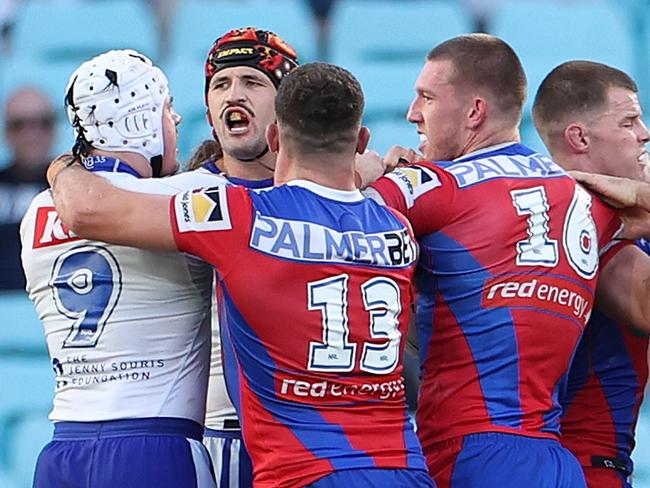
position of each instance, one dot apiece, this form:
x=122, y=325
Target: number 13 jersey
x=509, y=260
x=314, y=295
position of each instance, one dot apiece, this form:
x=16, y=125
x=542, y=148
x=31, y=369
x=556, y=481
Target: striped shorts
x=230, y=461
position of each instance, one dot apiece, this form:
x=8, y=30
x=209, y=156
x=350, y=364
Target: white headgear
x=116, y=102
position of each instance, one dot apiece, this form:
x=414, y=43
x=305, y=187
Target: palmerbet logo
x=501, y=166
x=307, y=241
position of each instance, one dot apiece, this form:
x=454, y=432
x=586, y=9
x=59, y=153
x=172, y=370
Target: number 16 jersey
x=510, y=250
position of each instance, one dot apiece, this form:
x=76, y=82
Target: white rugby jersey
x=128, y=330
x=220, y=412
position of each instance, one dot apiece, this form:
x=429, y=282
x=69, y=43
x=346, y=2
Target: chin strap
x=156, y=166
x=258, y=158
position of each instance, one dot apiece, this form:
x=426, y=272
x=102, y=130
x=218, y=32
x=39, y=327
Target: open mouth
x=237, y=120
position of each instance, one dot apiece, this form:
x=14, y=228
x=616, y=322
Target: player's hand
x=60, y=162
x=631, y=196
x=368, y=168
x=618, y=192
x=400, y=156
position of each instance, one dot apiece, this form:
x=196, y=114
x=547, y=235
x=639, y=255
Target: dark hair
x=575, y=88
x=319, y=106
x=208, y=150
x=486, y=62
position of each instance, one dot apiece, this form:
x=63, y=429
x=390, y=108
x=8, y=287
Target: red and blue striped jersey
x=314, y=292
x=509, y=260
x=605, y=390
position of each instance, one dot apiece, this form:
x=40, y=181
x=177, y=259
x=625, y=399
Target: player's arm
x=94, y=209
x=623, y=291
x=631, y=196
x=423, y=192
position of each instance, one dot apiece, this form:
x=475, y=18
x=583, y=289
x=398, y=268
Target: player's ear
x=272, y=138
x=576, y=138
x=477, y=112
x=362, y=139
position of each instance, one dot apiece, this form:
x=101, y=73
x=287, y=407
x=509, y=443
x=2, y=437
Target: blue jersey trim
x=252, y=184
x=514, y=149
x=230, y=363
x=414, y=457
x=108, y=164
x=212, y=167
x=621, y=407
x=493, y=347
x=427, y=290
x=300, y=204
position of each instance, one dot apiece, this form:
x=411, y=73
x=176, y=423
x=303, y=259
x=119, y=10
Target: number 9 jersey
x=510, y=250
x=127, y=330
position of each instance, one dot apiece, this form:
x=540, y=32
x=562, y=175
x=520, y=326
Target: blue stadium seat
x=186, y=83
x=21, y=331
x=6, y=481
x=27, y=434
x=27, y=384
x=388, y=87
x=199, y=22
x=27, y=389
x=52, y=32
x=529, y=135
x=388, y=30
x=545, y=34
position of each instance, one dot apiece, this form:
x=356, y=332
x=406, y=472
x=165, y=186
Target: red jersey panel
x=605, y=390
x=509, y=260
x=314, y=296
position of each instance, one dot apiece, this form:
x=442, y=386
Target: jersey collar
x=253, y=184
x=484, y=150
x=108, y=164
x=212, y=167
x=327, y=192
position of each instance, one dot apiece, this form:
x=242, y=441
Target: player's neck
x=259, y=169
x=573, y=162
x=321, y=170
x=137, y=161
x=490, y=137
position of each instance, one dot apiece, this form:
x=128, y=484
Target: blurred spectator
x=164, y=11
x=482, y=12
x=321, y=11
x=29, y=127
x=7, y=13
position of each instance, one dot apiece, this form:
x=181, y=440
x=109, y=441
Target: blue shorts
x=160, y=452
x=495, y=460
x=393, y=478
x=230, y=461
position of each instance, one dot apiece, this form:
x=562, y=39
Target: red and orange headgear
x=259, y=49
